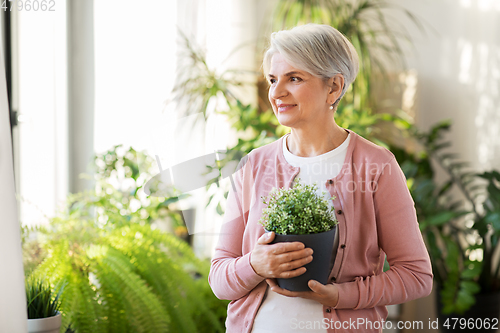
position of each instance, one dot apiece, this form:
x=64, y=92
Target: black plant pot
x=485, y=310
x=318, y=268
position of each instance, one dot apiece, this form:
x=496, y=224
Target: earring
x=331, y=107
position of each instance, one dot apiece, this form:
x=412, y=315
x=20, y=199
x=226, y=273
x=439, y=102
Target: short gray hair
x=319, y=49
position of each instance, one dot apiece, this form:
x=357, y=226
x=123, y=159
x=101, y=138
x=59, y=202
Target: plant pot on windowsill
x=42, y=306
x=301, y=214
x=45, y=325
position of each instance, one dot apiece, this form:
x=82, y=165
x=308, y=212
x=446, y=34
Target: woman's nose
x=278, y=91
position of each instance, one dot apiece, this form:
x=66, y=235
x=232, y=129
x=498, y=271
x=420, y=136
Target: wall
x=458, y=66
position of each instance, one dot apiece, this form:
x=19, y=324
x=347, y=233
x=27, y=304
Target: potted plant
x=42, y=306
x=300, y=214
x=460, y=222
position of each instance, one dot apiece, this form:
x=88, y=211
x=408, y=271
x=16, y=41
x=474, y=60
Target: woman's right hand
x=280, y=260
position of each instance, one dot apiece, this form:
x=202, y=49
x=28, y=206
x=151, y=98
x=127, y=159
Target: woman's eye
x=271, y=81
x=295, y=79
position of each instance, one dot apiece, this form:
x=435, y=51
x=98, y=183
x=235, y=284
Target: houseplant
x=460, y=221
x=42, y=305
x=300, y=214
x=121, y=272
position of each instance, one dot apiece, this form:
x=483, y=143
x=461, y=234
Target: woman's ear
x=336, y=84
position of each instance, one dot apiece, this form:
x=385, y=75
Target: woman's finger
x=292, y=273
x=277, y=289
x=325, y=294
x=266, y=238
x=286, y=247
x=294, y=265
x=295, y=254
x=317, y=287
x=271, y=282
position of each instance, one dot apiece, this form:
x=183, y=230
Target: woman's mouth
x=285, y=107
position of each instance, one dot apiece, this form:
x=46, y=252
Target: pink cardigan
x=376, y=217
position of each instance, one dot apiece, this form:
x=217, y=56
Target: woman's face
x=298, y=98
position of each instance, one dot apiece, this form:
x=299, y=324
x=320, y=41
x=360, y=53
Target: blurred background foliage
x=121, y=259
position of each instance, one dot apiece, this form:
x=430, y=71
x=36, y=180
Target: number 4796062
x=471, y=323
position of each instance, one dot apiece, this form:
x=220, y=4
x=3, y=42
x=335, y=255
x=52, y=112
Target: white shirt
x=279, y=313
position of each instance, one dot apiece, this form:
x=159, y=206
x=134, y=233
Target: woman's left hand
x=325, y=294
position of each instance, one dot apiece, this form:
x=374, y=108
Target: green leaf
x=472, y=269
x=441, y=218
x=219, y=209
x=453, y=255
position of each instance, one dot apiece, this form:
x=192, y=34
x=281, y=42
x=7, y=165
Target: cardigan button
x=330, y=181
x=339, y=212
x=342, y=246
x=334, y=278
x=328, y=310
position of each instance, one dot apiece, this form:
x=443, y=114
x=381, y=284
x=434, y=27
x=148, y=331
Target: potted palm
x=42, y=306
x=300, y=214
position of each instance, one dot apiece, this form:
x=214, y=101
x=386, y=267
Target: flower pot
x=45, y=325
x=318, y=268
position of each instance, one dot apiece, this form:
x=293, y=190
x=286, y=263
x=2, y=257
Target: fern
x=130, y=279
x=114, y=272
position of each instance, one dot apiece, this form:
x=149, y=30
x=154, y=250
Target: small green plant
x=297, y=211
x=41, y=301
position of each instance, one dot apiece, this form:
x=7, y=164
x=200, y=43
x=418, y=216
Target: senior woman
x=309, y=69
